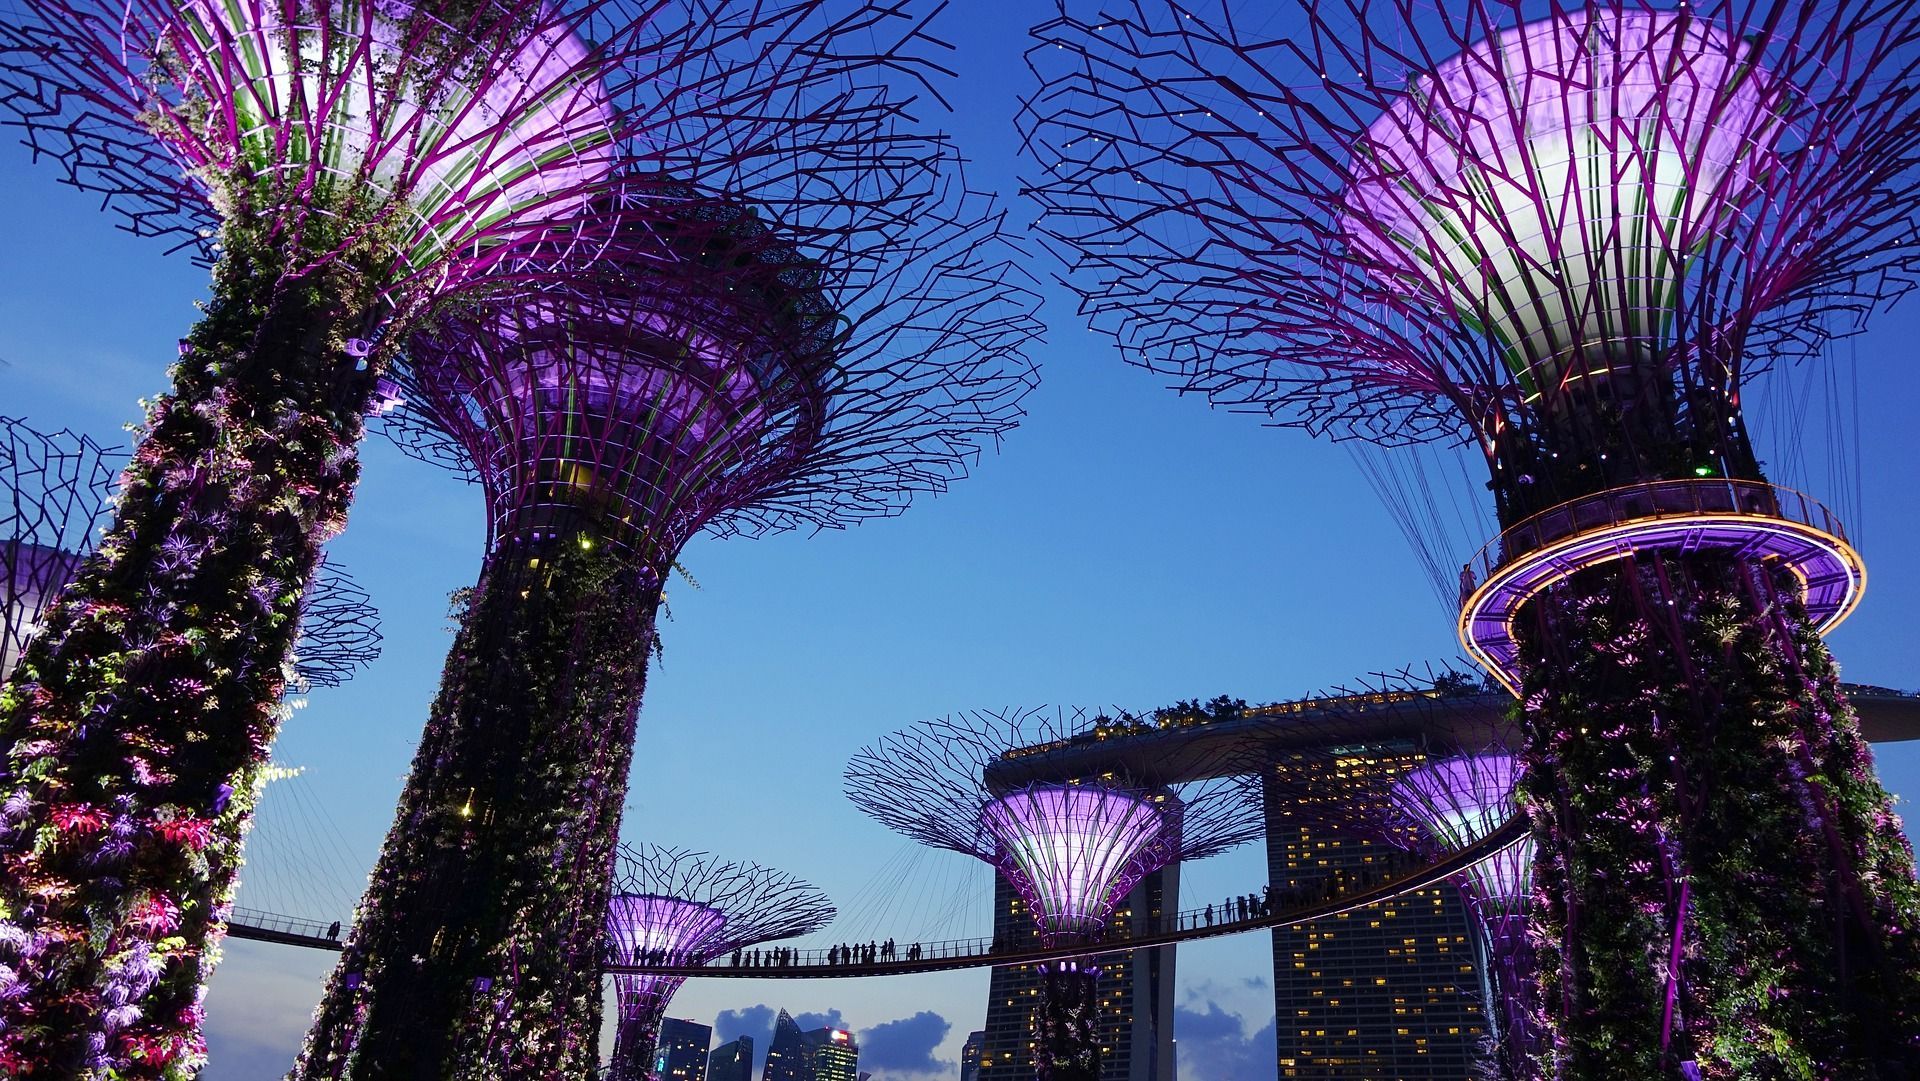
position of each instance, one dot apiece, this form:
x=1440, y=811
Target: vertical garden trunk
x=635, y=1044
x=136, y=725
x=1066, y=1043
x=477, y=950
x=1701, y=792
x=1516, y=1007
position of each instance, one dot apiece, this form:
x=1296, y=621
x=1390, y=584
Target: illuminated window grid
x=1385, y=991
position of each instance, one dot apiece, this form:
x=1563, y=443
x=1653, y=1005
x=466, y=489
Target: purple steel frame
x=674, y=907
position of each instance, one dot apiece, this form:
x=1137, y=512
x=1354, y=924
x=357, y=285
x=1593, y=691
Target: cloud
x=754, y=1021
x=810, y=1021
x=1215, y=1044
x=906, y=1046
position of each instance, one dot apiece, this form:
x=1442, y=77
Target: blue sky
x=1125, y=546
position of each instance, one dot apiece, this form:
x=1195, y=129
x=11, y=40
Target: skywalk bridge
x=1188, y=926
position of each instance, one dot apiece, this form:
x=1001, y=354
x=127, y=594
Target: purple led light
x=649, y=929
x=1460, y=801
x=537, y=134
x=1075, y=851
x=1496, y=189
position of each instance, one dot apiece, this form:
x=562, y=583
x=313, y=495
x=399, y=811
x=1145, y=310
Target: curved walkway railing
x=970, y=952
x=979, y=953
x=1645, y=502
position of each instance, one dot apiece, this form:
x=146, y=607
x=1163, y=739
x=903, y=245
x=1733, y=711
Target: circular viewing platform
x=1749, y=519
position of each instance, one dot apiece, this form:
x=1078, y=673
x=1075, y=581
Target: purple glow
x=1513, y=183
x=1074, y=852
x=1460, y=801
x=1829, y=568
x=649, y=929
x=537, y=134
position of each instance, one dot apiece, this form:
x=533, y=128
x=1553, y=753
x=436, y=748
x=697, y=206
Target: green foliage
x=1695, y=774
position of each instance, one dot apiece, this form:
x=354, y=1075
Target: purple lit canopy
x=1076, y=851
x=1435, y=223
x=674, y=907
x=714, y=374
x=1460, y=800
x=464, y=137
x=1073, y=847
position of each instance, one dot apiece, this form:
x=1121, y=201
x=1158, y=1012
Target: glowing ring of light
x=1831, y=573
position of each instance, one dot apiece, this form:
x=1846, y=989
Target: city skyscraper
x=681, y=1054
x=1389, y=990
x=732, y=1061
x=832, y=1055
x=787, y=1054
x=970, y=1055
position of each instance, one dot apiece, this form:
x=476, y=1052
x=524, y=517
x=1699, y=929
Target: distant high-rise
x=787, y=1054
x=682, y=1051
x=832, y=1055
x=1135, y=993
x=1386, y=991
x=970, y=1055
x=732, y=1061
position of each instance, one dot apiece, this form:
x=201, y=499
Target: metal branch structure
x=807, y=330
x=675, y=907
x=1571, y=235
x=344, y=165
x=55, y=490
x=1072, y=850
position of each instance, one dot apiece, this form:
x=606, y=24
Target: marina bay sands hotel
x=1389, y=991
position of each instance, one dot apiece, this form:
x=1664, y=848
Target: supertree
x=809, y=340
x=343, y=166
x=675, y=907
x=55, y=490
x=1073, y=848
x=1566, y=234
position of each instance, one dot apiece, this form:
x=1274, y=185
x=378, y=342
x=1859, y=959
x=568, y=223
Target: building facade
x=1389, y=992
x=787, y=1054
x=681, y=1054
x=970, y=1055
x=832, y=1055
x=731, y=1061
x=1136, y=991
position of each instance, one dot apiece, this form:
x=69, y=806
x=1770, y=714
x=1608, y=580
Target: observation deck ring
x=1753, y=519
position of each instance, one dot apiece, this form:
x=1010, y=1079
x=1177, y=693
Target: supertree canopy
x=811, y=340
x=1073, y=848
x=55, y=490
x=1567, y=234
x=674, y=907
x=343, y=167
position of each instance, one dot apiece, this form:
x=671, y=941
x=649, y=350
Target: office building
x=787, y=1054
x=970, y=1055
x=832, y=1055
x=731, y=1061
x=681, y=1054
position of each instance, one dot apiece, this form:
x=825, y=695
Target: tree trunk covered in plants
x=1066, y=1039
x=1700, y=791
x=477, y=950
x=635, y=1043
x=137, y=724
